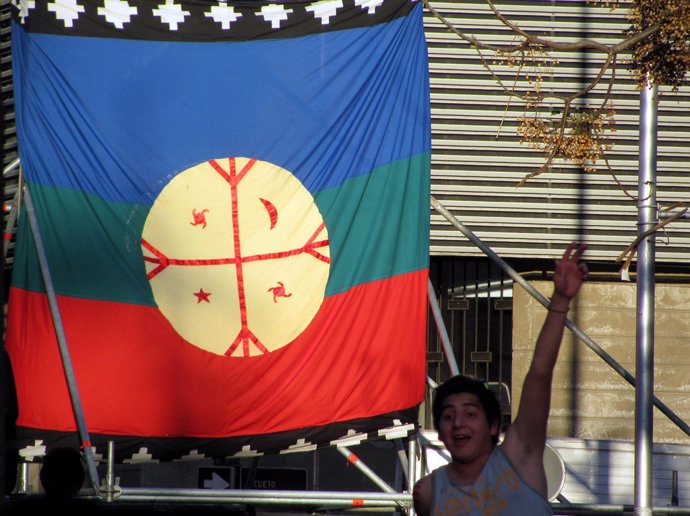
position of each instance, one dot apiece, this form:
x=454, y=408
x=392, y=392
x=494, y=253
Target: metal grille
x=475, y=299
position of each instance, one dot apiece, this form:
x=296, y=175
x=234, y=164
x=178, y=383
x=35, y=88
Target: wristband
x=558, y=311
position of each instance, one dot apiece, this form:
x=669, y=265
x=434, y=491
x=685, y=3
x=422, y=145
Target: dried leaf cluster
x=656, y=49
x=663, y=57
x=584, y=140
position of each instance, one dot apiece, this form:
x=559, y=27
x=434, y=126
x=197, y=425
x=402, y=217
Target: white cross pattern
x=97, y=457
x=302, y=445
x=351, y=438
x=142, y=455
x=246, y=451
x=122, y=12
x=325, y=10
x=171, y=13
x=369, y=5
x=275, y=14
x=117, y=12
x=192, y=455
x=31, y=451
x=24, y=7
x=223, y=14
x=66, y=10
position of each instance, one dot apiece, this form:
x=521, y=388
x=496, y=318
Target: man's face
x=464, y=429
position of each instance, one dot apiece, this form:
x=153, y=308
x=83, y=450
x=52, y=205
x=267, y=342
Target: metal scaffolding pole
x=62, y=342
x=442, y=332
x=644, y=358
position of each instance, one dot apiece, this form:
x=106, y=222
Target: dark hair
x=62, y=473
x=462, y=383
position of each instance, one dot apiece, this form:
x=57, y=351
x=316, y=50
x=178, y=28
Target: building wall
x=590, y=400
x=478, y=160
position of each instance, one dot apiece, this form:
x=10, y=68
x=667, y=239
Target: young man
x=484, y=478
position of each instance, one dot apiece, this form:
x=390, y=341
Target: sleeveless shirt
x=498, y=491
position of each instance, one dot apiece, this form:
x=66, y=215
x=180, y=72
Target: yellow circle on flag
x=237, y=255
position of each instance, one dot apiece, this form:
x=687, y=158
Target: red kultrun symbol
x=199, y=217
x=279, y=291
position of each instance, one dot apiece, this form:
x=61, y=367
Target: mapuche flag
x=233, y=203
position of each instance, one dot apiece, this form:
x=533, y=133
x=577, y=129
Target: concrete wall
x=590, y=400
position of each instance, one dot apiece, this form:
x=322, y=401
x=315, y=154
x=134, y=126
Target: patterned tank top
x=498, y=491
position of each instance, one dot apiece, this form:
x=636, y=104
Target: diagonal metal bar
x=627, y=376
x=62, y=342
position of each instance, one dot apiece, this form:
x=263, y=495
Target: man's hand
x=570, y=271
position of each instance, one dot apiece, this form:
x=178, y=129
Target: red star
x=202, y=296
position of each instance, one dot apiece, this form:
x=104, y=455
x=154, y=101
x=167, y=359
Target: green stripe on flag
x=94, y=252
x=374, y=223
x=93, y=247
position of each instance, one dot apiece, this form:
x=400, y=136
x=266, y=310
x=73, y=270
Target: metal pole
x=443, y=333
x=644, y=359
x=10, y=167
x=62, y=342
x=356, y=500
x=110, y=473
x=15, y=205
x=368, y=472
x=412, y=459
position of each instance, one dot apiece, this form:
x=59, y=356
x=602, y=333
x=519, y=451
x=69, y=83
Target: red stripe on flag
x=363, y=355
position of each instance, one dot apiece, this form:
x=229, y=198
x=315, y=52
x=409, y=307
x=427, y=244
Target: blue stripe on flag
x=120, y=118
